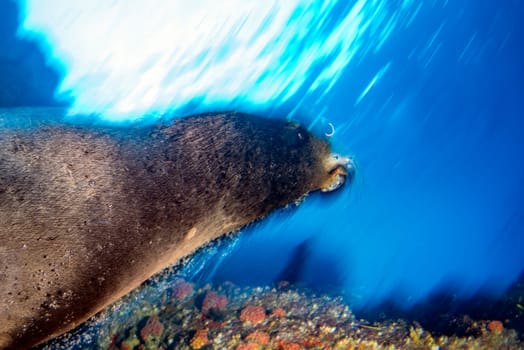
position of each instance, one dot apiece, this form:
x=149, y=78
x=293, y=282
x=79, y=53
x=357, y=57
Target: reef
x=284, y=317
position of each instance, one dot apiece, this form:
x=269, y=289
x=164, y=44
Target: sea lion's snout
x=340, y=170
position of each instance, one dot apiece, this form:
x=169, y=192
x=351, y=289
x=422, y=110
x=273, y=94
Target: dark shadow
x=26, y=79
x=293, y=271
x=319, y=273
x=443, y=313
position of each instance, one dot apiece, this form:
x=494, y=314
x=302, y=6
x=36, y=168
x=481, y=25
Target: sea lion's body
x=87, y=214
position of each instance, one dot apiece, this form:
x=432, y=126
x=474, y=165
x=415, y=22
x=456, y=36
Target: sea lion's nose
x=340, y=170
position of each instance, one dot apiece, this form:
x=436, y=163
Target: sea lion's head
x=279, y=162
x=325, y=170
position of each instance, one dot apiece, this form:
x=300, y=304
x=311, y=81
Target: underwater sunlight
x=124, y=59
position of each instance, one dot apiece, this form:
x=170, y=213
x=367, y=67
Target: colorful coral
x=199, y=339
x=253, y=314
x=249, y=346
x=284, y=345
x=212, y=300
x=152, y=327
x=279, y=312
x=495, y=326
x=130, y=343
x=258, y=337
x=182, y=289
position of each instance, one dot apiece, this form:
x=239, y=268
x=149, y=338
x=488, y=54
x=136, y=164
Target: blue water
x=427, y=96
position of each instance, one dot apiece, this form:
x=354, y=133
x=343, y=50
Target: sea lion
x=87, y=213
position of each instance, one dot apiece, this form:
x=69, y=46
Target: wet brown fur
x=89, y=213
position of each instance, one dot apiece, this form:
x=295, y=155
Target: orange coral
x=495, y=326
x=284, y=345
x=259, y=337
x=248, y=346
x=253, y=314
x=312, y=342
x=279, y=312
x=199, y=339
